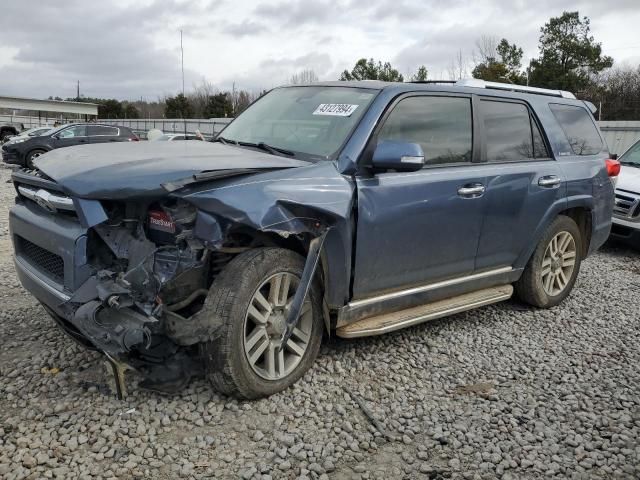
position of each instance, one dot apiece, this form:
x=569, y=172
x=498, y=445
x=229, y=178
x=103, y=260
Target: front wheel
x=553, y=268
x=32, y=155
x=249, y=302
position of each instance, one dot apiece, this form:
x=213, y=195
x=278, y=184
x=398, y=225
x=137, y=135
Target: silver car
x=626, y=212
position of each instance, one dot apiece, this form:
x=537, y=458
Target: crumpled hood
x=629, y=179
x=110, y=171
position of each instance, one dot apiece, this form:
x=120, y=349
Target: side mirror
x=398, y=155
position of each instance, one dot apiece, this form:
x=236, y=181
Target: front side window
x=313, y=122
x=510, y=132
x=71, y=132
x=441, y=125
x=579, y=128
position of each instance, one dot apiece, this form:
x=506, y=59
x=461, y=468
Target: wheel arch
x=579, y=210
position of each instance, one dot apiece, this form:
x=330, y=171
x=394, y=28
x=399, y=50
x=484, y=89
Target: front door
x=421, y=227
x=70, y=136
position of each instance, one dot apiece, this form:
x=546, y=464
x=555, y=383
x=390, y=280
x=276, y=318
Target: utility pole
x=184, y=122
x=78, y=91
x=182, y=61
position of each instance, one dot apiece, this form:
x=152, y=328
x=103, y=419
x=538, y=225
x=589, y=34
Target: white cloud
x=130, y=48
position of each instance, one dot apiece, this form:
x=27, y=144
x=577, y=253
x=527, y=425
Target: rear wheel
x=250, y=300
x=32, y=155
x=553, y=268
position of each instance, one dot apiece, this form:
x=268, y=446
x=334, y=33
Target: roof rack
x=477, y=83
x=428, y=82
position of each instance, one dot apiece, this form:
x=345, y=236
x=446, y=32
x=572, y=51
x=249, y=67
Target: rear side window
x=99, y=130
x=579, y=128
x=441, y=125
x=511, y=133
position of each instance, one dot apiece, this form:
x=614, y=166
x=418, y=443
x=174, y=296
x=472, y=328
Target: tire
x=32, y=155
x=228, y=357
x=545, y=287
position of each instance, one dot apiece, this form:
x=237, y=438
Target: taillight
x=613, y=167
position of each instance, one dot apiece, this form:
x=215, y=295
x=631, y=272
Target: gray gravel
x=502, y=392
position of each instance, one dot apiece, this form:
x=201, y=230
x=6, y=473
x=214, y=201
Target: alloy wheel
x=558, y=263
x=265, y=322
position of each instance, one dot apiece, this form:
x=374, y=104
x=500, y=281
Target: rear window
x=579, y=128
x=511, y=133
x=99, y=130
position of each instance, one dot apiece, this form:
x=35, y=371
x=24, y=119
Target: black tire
x=529, y=288
x=226, y=364
x=32, y=155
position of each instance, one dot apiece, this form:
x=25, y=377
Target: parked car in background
x=626, y=213
x=8, y=129
x=172, y=137
x=357, y=208
x=26, y=134
x=25, y=152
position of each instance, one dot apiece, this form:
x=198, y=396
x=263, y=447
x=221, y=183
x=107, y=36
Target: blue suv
x=339, y=208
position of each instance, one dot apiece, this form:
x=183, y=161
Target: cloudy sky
x=131, y=49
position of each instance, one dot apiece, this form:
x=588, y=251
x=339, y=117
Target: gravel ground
x=500, y=392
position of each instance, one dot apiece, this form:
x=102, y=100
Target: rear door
x=415, y=228
x=523, y=181
x=104, y=133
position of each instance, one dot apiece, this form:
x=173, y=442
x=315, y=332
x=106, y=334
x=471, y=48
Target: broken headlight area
x=147, y=268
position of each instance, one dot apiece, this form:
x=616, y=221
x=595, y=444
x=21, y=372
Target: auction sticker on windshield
x=335, y=109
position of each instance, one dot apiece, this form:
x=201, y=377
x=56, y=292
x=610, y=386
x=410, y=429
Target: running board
x=412, y=316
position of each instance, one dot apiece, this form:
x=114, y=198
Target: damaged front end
x=138, y=270
x=148, y=268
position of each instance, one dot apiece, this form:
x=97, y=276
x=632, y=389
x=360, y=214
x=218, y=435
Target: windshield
x=632, y=156
x=312, y=122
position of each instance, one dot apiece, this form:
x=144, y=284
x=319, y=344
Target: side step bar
x=412, y=316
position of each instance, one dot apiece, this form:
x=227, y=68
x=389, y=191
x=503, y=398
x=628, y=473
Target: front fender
x=295, y=201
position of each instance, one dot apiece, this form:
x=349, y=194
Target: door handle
x=549, y=181
x=473, y=190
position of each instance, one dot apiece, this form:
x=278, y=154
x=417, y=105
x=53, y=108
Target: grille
x=627, y=204
x=47, y=262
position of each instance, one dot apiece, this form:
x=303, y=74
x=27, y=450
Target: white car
x=27, y=134
x=172, y=137
x=626, y=212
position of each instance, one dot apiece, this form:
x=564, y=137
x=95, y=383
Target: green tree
x=129, y=110
x=569, y=55
x=421, y=74
x=178, y=107
x=370, y=70
x=218, y=106
x=500, y=63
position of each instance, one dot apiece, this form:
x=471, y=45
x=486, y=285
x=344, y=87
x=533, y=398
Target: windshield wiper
x=631, y=164
x=268, y=148
x=224, y=141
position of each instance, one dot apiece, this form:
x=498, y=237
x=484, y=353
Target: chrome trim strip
x=31, y=273
x=425, y=288
x=41, y=196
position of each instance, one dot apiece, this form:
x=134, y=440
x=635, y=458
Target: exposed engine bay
x=151, y=276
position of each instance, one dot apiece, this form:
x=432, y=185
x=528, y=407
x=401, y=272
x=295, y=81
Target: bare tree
x=486, y=49
x=305, y=76
x=458, y=67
